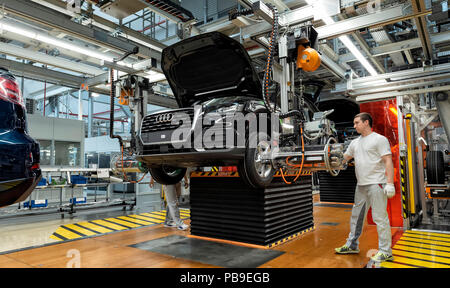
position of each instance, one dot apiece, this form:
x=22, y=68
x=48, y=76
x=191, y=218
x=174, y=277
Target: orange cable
x=300, y=166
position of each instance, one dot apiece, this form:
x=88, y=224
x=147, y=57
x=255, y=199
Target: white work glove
x=389, y=190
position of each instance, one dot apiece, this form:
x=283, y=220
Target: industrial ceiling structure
x=370, y=49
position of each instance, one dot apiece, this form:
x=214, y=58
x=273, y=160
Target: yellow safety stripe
x=419, y=263
x=110, y=225
x=67, y=234
x=304, y=172
x=123, y=223
x=159, y=213
x=183, y=214
x=215, y=174
x=423, y=251
x=429, y=233
x=428, y=237
x=290, y=237
x=53, y=236
x=434, y=242
x=403, y=186
x=422, y=245
x=140, y=217
x=97, y=228
x=151, y=219
x=431, y=258
x=410, y=164
x=81, y=230
x=388, y=264
x=134, y=220
x=154, y=216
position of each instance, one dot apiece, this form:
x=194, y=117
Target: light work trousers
x=367, y=196
x=172, y=209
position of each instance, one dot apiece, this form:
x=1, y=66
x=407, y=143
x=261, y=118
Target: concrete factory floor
x=135, y=248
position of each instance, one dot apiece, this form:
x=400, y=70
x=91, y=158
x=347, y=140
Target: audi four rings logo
x=163, y=118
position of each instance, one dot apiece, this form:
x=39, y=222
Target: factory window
x=104, y=160
x=98, y=160
x=45, y=151
x=67, y=153
x=91, y=160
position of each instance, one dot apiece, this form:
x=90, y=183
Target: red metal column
x=384, y=114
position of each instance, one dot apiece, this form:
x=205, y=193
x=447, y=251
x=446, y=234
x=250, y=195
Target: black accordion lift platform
x=223, y=207
x=340, y=188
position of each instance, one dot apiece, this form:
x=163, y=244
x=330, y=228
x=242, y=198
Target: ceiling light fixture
x=155, y=76
x=349, y=44
x=42, y=37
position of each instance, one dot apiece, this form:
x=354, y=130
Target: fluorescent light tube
x=349, y=44
x=53, y=41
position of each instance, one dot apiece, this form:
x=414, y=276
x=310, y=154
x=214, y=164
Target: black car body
x=208, y=73
x=19, y=153
x=211, y=76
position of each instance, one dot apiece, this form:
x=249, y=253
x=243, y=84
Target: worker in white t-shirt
x=375, y=184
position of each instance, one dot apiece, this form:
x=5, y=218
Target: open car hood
x=207, y=66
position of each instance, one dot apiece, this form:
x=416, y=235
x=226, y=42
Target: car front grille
x=166, y=120
x=164, y=149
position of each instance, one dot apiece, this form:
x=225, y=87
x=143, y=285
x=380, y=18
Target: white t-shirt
x=367, y=152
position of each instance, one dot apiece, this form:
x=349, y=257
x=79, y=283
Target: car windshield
x=223, y=100
x=7, y=115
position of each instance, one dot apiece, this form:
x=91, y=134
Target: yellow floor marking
x=422, y=256
x=426, y=241
x=183, y=212
x=419, y=263
x=56, y=238
x=423, y=245
x=422, y=250
x=110, y=225
x=152, y=221
x=127, y=224
x=97, y=228
x=81, y=230
x=147, y=218
x=137, y=221
x=394, y=265
x=67, y=234
x=429, y=233
x=183, y=215
x=427, y=237
x=154, y=215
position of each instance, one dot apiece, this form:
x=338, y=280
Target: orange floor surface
x=313, y=249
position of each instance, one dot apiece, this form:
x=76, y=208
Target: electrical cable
x=270, y=56
x=295, y=165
